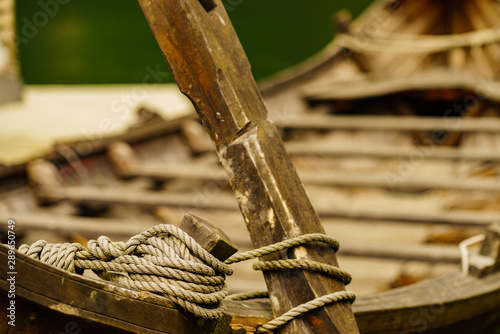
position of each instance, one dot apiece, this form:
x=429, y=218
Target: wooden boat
x=368, y=164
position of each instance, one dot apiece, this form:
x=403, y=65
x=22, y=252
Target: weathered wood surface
x=112, y=196
x=209, y=236
x=196, y=171
x=211, y=68
x=318, y=148
x=439, y=304
x=390, y=123
x=439, y=79
x=115, y=195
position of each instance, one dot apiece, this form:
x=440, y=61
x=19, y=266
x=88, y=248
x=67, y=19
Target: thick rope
x=294, y=264
x=306, y=307
x=164, y=260
x=285, y=244
x=167, y=261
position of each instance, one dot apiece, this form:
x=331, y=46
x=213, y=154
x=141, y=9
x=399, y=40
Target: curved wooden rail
x=440, y=304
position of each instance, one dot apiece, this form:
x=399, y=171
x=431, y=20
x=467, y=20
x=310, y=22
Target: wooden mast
x=211, y=68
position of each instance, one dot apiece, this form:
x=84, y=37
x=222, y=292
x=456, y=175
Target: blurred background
x=94, y=42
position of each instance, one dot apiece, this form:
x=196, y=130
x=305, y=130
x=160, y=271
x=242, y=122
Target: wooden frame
x=433, y=304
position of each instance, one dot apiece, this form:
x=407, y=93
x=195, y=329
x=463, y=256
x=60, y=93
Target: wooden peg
x=209, y=236
x=217, y=243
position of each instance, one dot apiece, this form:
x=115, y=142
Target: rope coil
x=163, y=260
x=167, y=261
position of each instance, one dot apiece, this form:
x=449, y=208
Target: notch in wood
x=208, y=4
x=209, y=236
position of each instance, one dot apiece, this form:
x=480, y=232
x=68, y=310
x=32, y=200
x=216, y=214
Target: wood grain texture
x=211, y=68
x=443, y=305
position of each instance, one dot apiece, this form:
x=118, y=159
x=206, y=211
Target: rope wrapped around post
x=168, y=261
x=324, y=268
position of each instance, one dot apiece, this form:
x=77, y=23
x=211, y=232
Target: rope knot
x=163, y=260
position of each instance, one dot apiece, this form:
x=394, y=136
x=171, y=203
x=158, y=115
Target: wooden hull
x=61, y=300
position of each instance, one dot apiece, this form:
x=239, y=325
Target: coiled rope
x=164, y=260
x=167, y=261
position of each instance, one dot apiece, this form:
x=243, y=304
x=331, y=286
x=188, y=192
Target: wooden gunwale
x=446, y=299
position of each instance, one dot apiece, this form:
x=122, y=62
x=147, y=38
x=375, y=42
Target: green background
x=109, y=41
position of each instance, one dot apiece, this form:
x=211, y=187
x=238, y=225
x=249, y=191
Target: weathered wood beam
x=391, y=123
x=128, y=196
x=126, y=165
x=211, y=68
x=225, y=202
x=317, y=148
x=343, y=20
x=216, y=242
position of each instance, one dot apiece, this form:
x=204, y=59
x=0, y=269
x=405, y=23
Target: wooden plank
x=390, y=123
x=64, y=224
x=127, y=196
x=395, y=183
x=195, y=171
x=431, y=79
x=434, y=303
x=461, y=218
x=425, y=253
x=225, y=202
x=211, y=68
x=318, y=148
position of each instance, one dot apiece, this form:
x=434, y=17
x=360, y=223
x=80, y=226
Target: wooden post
x=211, y=68
x=217, y=243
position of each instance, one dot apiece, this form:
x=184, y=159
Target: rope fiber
x=164, y=260
x=167, y=261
